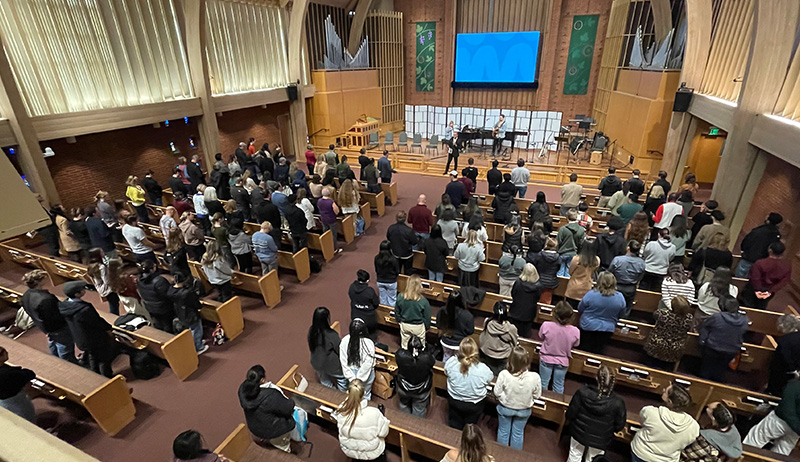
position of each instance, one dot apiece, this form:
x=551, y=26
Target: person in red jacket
x=420, y=218
x=767, y=276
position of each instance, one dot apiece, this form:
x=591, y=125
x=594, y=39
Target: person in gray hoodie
x=720, y=441
x=721, y=338
x=498, y=338
x=470, y=255
x=657, y=256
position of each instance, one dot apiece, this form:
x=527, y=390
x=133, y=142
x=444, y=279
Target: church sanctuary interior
x=399, y=230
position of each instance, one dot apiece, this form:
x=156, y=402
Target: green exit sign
x=713, y=132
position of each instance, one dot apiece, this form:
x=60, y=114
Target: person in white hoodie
x=657, y=256
x=666, y=430
x=516, y=389
x=362, y=428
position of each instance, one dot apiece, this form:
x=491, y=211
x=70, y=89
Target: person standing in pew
x=512, y=233
x=608, y=186
x=241, y=246
x=265, y=248
x=444, y=204
x=362, y=428
x=98, y=271
x=220, y=232
x=42, y=307
x=510, y=267
x=152, y=188
x=175, y=253
x=548, y=264
x=421, y=218
x=13, y=383
x=581, y=269
x=193, y=235
x=708, y=295
x=385, y=168
x=570, y=239
x=77, y=226
x=469, y=255
x=67, y=242
x=370, y=174
x=436, y=252
x=708, y=232
x=785, y=362
x=471, y=449
x=467, y=380
x=349, y=200
x=600, y=310
x=721, y=338
x=168, y=220
x=611, y=244
x=414, y=377
x=187, y=308
x=667, y=429
x=667, y=341
x=494, y=177
x=296, y=218
x=268, y=413
x=781, y=426
x=517, y=388
x=629, y=270
x=124, y=284
x=188, y=447
x=498, y=339
x=357, y=356
x=558, y=340
x=241, y=196
x=767, y=276
x=141, y=246
x=403, y=240
x=135, y=193
x=323, y=343
x=412, y=311
x=657, y=256
x=387, y=268
x=454, y=323
x=720, y=442
x=593, y=416
x=100, y=235
x=676, y=283
x=153, y=289
x=218, y=271
x=503, y=201
x=525, y=295
x=755, y=245
x=449, y=226
x=180, y=203
x=90, y=331
x=364, y=303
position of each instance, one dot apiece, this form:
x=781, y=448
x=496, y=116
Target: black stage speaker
x=683, y=98
x=600, y=141
x=291, y=92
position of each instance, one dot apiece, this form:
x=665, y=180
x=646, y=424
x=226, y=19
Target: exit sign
x=713, y=132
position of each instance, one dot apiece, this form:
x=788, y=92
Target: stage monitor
x=497, y=60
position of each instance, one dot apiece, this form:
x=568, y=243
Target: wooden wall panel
x=385, y=32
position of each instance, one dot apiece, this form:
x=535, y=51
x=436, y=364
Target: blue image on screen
x=500, y=57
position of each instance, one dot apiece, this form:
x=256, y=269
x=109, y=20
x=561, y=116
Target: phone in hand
x=382, y=408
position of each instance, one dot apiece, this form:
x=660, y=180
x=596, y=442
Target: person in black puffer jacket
x=363, y=303
x=538, y=210
x=454, y=322
x=547, y=263
x=153, y=289
x=593, y=416
x=611, y=244
x=525, y=296
x=402, y=239
x=414, y=377
x=187, y=308
x=503, y=200
x=387, y=268
x=436, y=252
x=268, y=413
x=89, y=330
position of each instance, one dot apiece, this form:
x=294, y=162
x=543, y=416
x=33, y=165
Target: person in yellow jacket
x=135, y=193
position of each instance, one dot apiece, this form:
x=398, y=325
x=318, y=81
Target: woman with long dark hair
x=323, y=343
x=676, y=283
x=364, y=302
x=190, y=447
x=679, y=237
x=708, y=295
x=454, y=323
x=387, y=268
x=269, y=415
x=595, y=413
x=436, y=252
x=538, y=210
x=414, y=377
x=581, y=269
x=470, y=209
x=638, y=229
x=357, y=356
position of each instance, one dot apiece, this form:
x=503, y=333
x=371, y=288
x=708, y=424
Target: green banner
x=426, y=55
x=581, y=50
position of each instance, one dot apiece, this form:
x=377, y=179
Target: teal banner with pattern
x=426, y=55
x=581, y=50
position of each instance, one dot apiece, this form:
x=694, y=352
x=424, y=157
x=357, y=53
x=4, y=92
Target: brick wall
x=104, y=160
x=256, y=122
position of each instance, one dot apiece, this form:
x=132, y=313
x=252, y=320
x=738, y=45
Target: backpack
x=218, y=336
x=314, y=265
x=143, y=365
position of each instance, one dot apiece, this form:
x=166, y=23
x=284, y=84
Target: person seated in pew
x=323, y=343
x=785, y=362
x=548, y=264
x=467, y=379
x=42, y=307
x=666, y=343
x=782, y=425
x=767, y=276
x=412, y=312
x=709, y=293
x=268, y=413
x=558, y=338
x=141, y=246
x=193, y=235
x=498, y=339
x=14, y=381
x=600, y=310
x=665, y=430
x=153, y=289
x=436, y=252
x=516, y=389
x=187, y=308
x=472, y=447
x=364, y=303
x=90, y=331
x=581, y=269
x=414, y=377
x=629, y=270
x=176, y=254
x=449, y=226
x=657, y=256
x=720, y=442
x=676, y=283
x=594, y=414
x=218, y=271
x=124, y=284
x=454, y=323
x=525, y=295
x=476, y=223
x=362, y=428
x=721, y=338
x=98, y=271
x=357, y=356
x=470, y=255
x=510, y=267
x=241, y=246
x=188, y=447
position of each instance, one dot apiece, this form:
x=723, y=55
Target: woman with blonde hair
x=467, y=379
x=600, y=310
x=218, y=271
x=348, y=199
x=362, y=428
x=516, y=389
x=525, y=296
x=135, y=193
x=654, y=201
x=638, y=229
x=231, y=211
x=413, y=311
x=107, y=211
x=470, y=254
x=471, y=449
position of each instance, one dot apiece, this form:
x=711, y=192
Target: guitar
x=496, y=129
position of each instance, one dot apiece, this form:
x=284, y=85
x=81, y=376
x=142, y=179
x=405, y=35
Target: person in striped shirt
x=677, y=283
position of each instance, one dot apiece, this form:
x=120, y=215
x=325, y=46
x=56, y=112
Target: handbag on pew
x=300, y=382
x=383, y=386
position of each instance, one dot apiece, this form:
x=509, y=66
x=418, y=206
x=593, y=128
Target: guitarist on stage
x=499, y=134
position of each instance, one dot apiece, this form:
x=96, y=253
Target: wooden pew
x=366, y=214
x=228, y=315
x=178, y=350
x=411, y=434
x=240, y=447
x=297, y=262
x=390, y=192
x=108, y=401
x=377, y=202
x=267, y=286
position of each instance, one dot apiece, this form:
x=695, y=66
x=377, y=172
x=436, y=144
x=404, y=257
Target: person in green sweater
x=412, y=311
x=781, y=426
x=629, y=209
x=570, y=238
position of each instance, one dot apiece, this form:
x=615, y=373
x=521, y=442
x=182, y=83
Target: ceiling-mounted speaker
x=291, y=92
